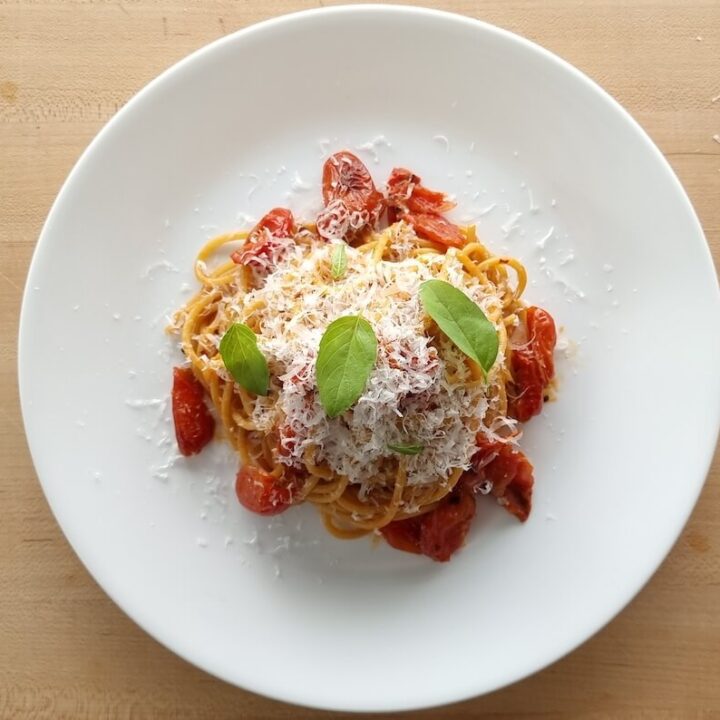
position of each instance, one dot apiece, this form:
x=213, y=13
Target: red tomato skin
x=400, y=186
x=262, y=493
x=438, y=533
x=436, y=229
x=346, y=178
x=274, y=225
x=194, y=425
x=333, y=221
x=532, y=365
x=404, y=534
x=517, y=499
x=509, y=471
x=407, y=194
x=393, y=215
x=543, y=336
x=526, y=399
x=444, y=529
x=279, y=222
x=408, y=200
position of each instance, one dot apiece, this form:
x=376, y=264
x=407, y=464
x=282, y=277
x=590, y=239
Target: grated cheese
x=511, y=223
x=443, y=140
x=420, y=389
x=372, y=146
x=541, y=242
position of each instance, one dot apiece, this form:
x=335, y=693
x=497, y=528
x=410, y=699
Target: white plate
x=280, y=607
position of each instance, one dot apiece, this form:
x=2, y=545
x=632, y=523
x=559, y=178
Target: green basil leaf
x=461, y=320
x=346, y=357
x=244, y=360
x=338, y=261
x=406, y=448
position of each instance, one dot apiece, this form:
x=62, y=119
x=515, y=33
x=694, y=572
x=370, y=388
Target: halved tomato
x=194, y=425
x=261, y=492
x=276, y=225
x=438, y=533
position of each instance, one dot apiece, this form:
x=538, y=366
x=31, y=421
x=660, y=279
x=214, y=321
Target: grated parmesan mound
x=420, y=390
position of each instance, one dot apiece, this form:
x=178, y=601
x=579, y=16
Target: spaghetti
x=279, y=283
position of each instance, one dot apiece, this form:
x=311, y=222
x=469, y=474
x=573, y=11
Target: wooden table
x=65, y=650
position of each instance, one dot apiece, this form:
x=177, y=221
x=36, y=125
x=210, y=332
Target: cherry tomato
x=404, y=534
x=278, y=222
x=526, y=393
x=194, y=425
x=532, y=365
x=261, y=492
x=541, y=329
x=261, y=241
x=517, y=499
x=437, y=534
x=406, y=193
x=400, y=186
x=346, y=178
x=436, y=228
x=445, y=528
x=509, y=471
x=408, y=200
x=333, y=221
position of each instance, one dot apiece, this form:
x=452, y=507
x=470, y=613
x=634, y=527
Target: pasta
x=463, y=417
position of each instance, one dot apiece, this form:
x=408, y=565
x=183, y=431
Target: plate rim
x=276, y=692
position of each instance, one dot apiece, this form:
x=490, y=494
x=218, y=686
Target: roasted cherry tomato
x=437, y=534
x=404, y=534
x=541, y=330
x=333, y=221
x=408, y=200
x=278, y=222
x=346, y=178
x=406, y=194
x=263, y=493
x=435, y=228
x=261, y=241
x=526, y=391
x=445, y=528
x=509, y=471
x=517, y=498
x=194, y=425
x=532, y=365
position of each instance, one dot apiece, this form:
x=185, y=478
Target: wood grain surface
x=65, y=650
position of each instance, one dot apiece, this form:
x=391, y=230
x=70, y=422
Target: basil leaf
x=244, y=360
x=338, y=261
x=406, y=448
x=461, y=320
x=346, y=357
